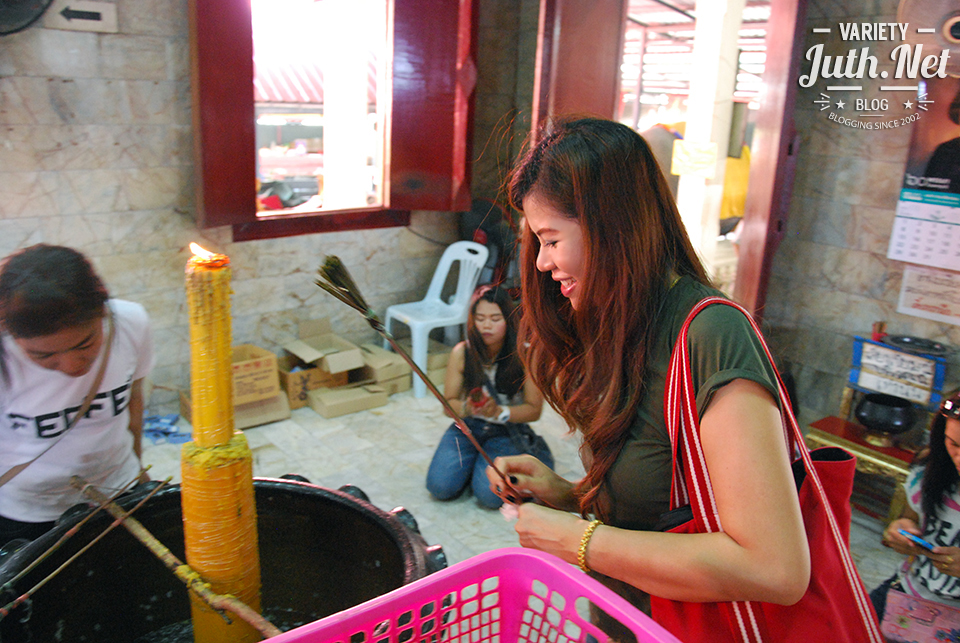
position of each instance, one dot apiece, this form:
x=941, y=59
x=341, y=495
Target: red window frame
x=434, y=75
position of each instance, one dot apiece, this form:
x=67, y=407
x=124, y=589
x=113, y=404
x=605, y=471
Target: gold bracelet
x=584, y=541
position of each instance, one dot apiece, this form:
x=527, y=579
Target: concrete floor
x=386, y=452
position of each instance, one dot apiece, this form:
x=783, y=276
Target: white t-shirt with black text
x=919, y=576
x=36, y=405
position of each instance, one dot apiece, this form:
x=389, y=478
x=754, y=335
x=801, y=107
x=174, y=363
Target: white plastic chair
x=431, y=311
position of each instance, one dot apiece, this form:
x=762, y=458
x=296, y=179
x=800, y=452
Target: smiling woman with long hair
x=608, y=277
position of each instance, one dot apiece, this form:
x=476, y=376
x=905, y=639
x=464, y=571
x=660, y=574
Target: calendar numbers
x=927, y=234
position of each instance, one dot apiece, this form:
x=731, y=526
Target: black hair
x=940, y=475
x=45, y=289
x=510, y=374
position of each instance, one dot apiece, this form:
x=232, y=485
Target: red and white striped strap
x=691, y=483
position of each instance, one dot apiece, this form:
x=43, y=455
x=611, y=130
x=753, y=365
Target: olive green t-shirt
x=723, y=347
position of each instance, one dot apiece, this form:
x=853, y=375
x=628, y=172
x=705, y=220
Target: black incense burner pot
x=884, y=416
x=321, y=551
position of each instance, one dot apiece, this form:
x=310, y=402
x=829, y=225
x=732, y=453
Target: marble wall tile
x=89, y=234
x=89, y=191
x=167, y=307
x=778, y=309
x=839, y=311
x=153, y=17
x=172, y=347
x=870, y=228
x=819, y=175
x=59, y=147
x=139, y=57
x=155, y=102
x=56, y=101
x=50, y=52
x=18, y=233
x=825, y=350
x=874, y=182
x=861, y=273
x=27, y=195
x=821, y=392
x=87, y=100
x=153, y=187
x=153, y=145
x=830, y=222
x=152, y=230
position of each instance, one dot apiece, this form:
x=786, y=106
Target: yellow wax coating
x=211, y=375
x=220, y=533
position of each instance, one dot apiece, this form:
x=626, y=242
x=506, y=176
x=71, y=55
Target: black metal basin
x=885, y=413
x=321, y=551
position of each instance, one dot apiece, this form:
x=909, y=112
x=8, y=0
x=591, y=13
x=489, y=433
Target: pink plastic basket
x=510, y=595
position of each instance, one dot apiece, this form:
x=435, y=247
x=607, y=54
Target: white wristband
x=504, y=416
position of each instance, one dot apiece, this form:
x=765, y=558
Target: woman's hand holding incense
x=549, y=530
x=533, y=478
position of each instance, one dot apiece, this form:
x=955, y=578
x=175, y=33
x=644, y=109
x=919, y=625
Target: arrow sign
x=71, y=14
x=81, y=15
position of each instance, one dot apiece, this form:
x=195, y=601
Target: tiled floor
x=386, y=451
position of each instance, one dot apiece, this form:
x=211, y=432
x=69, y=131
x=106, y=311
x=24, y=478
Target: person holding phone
x=932, y=514
x=486, y=385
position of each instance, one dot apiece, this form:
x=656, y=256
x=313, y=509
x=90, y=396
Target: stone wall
x=96, y=154
x=831, y=277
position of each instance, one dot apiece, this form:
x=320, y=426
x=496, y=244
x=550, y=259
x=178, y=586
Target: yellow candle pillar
x=219, y=514
x=211, y=377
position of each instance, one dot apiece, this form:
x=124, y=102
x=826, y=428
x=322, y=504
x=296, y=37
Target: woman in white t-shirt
x=933, y=513
x=56, y=319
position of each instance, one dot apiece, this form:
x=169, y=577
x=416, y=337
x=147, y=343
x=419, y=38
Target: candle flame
x=202, y=257
x=197, y=250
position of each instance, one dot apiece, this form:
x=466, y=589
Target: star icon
x=908, y=105
x=840, y=104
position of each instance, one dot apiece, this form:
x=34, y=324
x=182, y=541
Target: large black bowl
x=884, y=413
x=321, y=551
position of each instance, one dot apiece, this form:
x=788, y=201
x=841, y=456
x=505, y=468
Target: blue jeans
x=456, y=462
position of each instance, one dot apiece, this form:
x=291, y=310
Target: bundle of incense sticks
x=336, y=280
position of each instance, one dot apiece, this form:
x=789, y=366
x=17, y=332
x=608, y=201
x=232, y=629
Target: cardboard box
x=254, y=374
x=318, y=345
x=398, y=384
x=245, y=416
x=298, y=384
x=383, y=365
x=334, y=402
x=438, y=355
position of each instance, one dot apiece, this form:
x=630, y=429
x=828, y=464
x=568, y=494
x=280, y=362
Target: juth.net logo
x=900, y=100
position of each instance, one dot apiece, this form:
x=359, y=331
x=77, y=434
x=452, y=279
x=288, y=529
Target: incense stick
x=336, y=280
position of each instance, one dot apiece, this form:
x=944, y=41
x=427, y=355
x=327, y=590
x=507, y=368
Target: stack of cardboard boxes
x=335, y=377
x=321, y=370
x=257, y=398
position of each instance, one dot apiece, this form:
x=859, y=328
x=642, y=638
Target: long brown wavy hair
x=591, y=363
x=509, y=376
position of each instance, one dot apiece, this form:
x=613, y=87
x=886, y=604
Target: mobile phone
x=478, y=395
x=917, y=539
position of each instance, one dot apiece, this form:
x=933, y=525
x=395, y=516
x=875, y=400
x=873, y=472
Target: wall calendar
x=926, y=229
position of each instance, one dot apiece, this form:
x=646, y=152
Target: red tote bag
x=836, y=606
